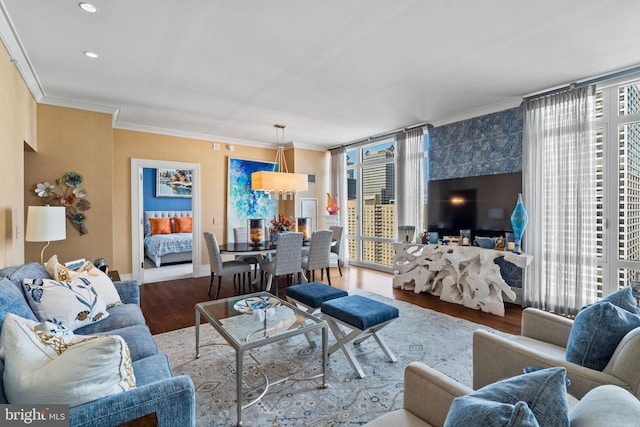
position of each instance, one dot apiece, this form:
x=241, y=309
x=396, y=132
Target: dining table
x=262, y=251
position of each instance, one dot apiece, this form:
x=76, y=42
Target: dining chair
x=318, y=257
x=288, y=260
x=241, y=235
x=336, y=249
x=223, y=268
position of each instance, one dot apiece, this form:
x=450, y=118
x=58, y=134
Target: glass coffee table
x=247, y=322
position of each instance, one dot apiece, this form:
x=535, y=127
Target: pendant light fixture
x=279, y=183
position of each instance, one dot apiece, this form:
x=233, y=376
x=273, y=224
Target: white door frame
x=137, y=213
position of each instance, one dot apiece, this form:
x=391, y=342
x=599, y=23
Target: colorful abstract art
x=242, y=202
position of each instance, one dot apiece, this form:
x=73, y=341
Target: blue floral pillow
x=598, y=329
x=72, y=304
x=535, y=399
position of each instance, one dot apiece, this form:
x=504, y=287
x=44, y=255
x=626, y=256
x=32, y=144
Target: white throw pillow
x=72, y=304
x=101, y=282
x=45, y=367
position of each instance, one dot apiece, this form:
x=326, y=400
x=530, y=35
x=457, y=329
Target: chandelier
x=279, y=183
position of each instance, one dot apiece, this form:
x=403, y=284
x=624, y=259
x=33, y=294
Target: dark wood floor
x=169, y=305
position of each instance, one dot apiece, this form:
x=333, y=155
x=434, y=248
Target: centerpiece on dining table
x=281, y=224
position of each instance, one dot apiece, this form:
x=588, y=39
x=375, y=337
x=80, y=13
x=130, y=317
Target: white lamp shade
x=46, y=223
x=279, y=181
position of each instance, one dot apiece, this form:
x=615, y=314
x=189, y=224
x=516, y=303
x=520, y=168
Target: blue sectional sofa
x=171, y=398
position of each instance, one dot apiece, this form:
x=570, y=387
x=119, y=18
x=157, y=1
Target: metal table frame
x=241, y=346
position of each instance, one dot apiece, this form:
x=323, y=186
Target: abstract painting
x=244, y=203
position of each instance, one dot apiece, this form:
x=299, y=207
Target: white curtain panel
x=410, y=178
x=338, y=186
x=559, y=190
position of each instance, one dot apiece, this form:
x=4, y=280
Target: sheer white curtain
x=338, y=187
x=410, y=178
x=559, y=189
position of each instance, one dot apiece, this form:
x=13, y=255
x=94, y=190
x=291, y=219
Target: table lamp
x=46, y=224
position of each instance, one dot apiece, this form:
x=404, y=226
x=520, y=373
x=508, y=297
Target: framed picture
x=173, y=182
x=242, y=202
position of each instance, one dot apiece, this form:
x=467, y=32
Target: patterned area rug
x=439, y=340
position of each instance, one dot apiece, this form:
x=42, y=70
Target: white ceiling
x=333, y=71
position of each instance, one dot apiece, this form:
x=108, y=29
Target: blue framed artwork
x=242, y=202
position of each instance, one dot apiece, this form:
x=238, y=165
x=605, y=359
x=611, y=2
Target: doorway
x=171, y=271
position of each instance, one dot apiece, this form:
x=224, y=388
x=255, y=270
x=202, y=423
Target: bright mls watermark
x=34, y=415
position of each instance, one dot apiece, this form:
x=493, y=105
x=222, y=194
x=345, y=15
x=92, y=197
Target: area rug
x=436, y=339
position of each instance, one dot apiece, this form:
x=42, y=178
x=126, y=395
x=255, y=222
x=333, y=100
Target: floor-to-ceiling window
x=618, y=172
x=371, y=209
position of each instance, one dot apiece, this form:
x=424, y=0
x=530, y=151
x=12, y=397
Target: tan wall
x=80, y=141
x=316, y=163
x=17, y=133
x=213, y=170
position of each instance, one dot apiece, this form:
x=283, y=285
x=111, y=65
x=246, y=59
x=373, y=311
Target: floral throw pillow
x=72, y=304
x=100, y=281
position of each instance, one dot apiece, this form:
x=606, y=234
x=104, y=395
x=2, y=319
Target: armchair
x=428, y=394
x=543, y=343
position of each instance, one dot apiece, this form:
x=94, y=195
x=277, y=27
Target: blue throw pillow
x=535, y=399
x=596, y=332
x=623, y=298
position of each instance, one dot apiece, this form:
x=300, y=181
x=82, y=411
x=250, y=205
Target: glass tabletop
x=247, y=247
x=253, y=320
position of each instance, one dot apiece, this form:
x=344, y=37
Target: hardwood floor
x=169, y=305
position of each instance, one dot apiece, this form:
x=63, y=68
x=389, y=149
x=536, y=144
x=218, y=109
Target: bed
x=166, y=248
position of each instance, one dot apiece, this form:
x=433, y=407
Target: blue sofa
x=171, y=398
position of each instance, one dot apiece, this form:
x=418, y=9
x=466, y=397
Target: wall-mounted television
x=482, y=204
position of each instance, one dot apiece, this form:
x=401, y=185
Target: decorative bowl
x=486, y=242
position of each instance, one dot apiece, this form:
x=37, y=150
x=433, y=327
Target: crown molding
x=17, y=54
x=186, y=134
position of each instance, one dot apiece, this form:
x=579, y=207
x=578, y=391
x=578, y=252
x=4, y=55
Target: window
x=618, y=174
x=371, y=209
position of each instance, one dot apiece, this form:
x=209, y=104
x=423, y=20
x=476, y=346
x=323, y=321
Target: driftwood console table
x=465, y=275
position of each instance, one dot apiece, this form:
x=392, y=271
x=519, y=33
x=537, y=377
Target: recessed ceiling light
x=90, y=54
x=88, y=7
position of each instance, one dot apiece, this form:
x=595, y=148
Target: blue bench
x=310, y=296
x=365, y=317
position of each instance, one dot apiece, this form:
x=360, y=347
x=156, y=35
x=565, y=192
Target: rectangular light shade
x=279, y=181
x=46, y=223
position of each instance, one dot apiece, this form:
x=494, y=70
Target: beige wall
x=17, y=133
x=213, y=171
x=318, y=164
x=80, y=141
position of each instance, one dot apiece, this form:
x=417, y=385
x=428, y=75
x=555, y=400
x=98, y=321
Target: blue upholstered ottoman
x=365, y=317
x=312, y=295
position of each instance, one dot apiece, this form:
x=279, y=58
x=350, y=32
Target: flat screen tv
x=482, y=204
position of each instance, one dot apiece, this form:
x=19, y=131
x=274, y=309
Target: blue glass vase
x=519, y=220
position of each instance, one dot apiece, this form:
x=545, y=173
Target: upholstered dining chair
x=336, y=249
x=318, y=256
x=241, y=235
x=223, y=268
x=288, y=260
